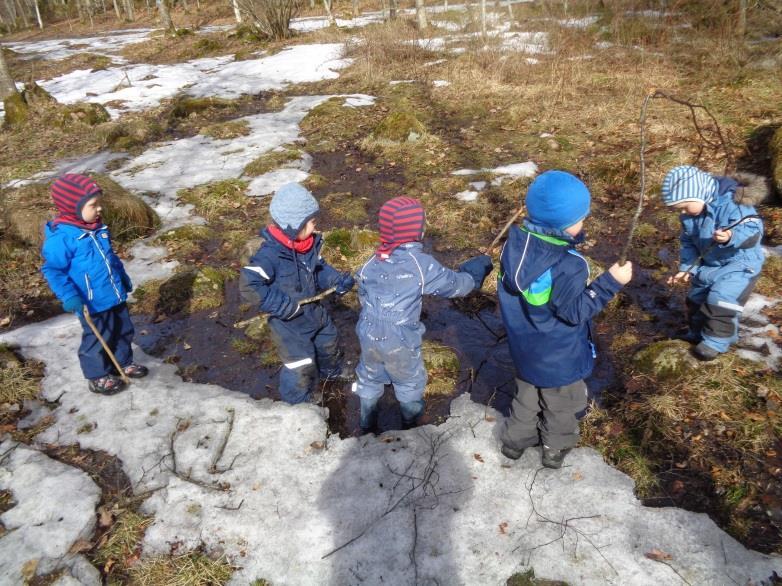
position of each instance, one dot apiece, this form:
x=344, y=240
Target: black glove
x=344, y=283
x=478, y=268
x=294, y=309
x=127, y=283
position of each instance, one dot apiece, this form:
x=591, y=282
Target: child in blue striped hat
x=721, y=255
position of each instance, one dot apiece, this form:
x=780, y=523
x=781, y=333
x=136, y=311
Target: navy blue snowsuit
x=82, y=263
x=724, y=278
x=547, y=306
x=389, y=328
x=306, y=340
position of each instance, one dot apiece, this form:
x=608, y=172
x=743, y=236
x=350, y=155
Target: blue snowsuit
x=389, y=328
x=308, y=342
x=81, y=263
x=547, y=307
x=724, y=278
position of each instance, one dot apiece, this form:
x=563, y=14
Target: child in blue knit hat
x=721, y=254
x=287, y=269
x=547, y=304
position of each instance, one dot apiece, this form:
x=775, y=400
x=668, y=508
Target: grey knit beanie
x=293, y=206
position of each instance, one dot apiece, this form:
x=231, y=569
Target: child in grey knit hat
x=286, y=269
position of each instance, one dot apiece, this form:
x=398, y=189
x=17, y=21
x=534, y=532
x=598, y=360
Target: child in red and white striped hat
x=391, y=288
x=84, y=273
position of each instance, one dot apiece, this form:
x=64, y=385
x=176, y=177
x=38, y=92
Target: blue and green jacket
x=547, y=305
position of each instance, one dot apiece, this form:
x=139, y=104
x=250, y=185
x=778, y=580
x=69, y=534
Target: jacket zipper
x=108, y=266
x=89, y=289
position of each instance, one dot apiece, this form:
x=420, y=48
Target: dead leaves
x=80, y=546
x=503, y=528
x=658, y=555
x=478, y=457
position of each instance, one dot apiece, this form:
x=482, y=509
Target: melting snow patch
x=467, y=195
x=441, y=83
x=55, y=507
x=359, y=100
x=528, y=169
x=138, y=87
x=579, y=22
x=757, y=337
x=317, y=23
x=58, y=49
x=400, y=81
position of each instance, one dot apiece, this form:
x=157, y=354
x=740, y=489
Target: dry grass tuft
x=226, y=130
x=120, y=548
x=215, y=201
x=191, y=569
x=442, y=366
x=19, y=381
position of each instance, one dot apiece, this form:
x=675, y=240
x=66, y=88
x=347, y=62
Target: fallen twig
x=213, y=469
x=504, y=230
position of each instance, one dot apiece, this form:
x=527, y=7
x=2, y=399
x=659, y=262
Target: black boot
x=511, y=453
x=552, y=458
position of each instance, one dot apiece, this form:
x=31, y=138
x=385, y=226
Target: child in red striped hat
x=85, y=274
x=391, y=288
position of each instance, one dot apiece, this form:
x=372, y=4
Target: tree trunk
x=510, y=11
x=355, y=9
x=420, y=13
x=237, y=12
x=7, y=85
x=185, y=6
x=165, y=16
x=9, y=4
x=38, y=14
x=130, y=10
x=392, y=9
x=483, y=19
x=741, y=26
x=23, y=12
x=384, y=8
x=117, y=11
x=327, y=6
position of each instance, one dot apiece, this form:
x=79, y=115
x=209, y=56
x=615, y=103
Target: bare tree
x=271, y=18
x=392, y=9
x=483, y=19
x=237, y=11
x=329, y=13
x=355, y=9
x=741, y=26
x=165, y=16
x=420, y=13
x=7, y=85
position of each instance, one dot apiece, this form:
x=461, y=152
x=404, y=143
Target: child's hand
x=73, y=305
x=622, y=273
x=722, y=236
x=680, y=277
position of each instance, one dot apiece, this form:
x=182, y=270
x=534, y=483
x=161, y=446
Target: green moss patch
x=399, y=127
x=346, y=249
x=345, y=206
x=442, y=365
x=214, y=201
x=185, y=292
x=226, y=130
x=665, y=360
x=272, y=160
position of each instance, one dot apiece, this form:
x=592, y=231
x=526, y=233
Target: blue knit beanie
x=557, y=199
x=688, y=183
x=293, y=206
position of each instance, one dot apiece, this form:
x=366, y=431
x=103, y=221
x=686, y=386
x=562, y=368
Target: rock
x=665, y=360
x=16, y=111
x=258, y=329
x=84, y=113
x=399, y=127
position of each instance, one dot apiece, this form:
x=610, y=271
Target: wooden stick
x=106, y=348
x=315, y=298
x=504, y=230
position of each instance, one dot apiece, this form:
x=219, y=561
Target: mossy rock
x=25, y=210
x=226, y=130
x=122, y=136
x=775, y=148
x=208, y=45
x=442, y=365
x=347, y=249
x=185, y=292
x=16, y=111
x=399, y=127
x=528, y=579
x=36, y=97
x=345, y=206
x=665, y=360
x=258, y=329
x=184, y=106
x=272, y=160
x=84, y=113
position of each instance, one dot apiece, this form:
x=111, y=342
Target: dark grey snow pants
x=546, y=415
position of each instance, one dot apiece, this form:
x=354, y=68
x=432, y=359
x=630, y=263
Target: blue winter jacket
x=81, y=263
x=697, y=235
x=280, y=277
x=547, y=305
x=391, y=291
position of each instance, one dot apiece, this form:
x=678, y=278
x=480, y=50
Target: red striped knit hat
x=70, y=192
x=401, y=220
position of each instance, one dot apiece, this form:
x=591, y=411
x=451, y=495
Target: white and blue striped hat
x=688, y=183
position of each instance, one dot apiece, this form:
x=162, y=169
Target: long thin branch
x=306, y=301
x=213, y=469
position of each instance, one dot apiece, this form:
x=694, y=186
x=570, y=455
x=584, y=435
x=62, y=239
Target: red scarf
x=300, y=246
